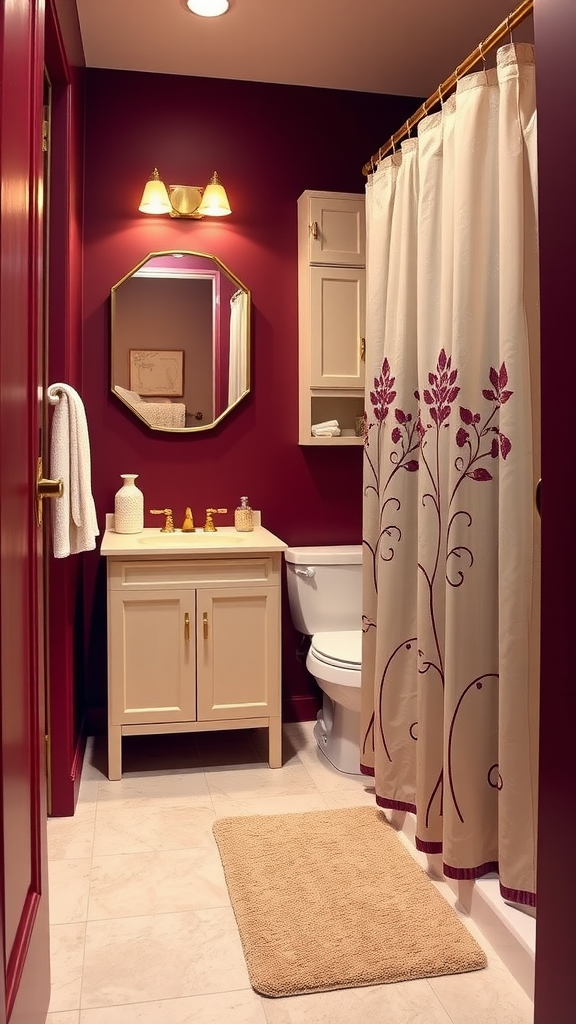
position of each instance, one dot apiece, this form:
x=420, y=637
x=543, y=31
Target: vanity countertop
x=225, y=540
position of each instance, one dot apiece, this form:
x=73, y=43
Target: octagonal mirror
x=180, y=341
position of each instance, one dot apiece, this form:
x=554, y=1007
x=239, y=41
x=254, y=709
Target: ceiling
x=402, y=47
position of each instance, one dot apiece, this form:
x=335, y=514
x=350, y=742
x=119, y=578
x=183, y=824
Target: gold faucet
x=169, y=524
x=188, y=524
x=209, y=524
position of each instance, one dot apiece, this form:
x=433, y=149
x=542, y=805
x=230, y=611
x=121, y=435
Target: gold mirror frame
x=180, y=357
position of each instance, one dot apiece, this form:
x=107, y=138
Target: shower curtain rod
x=513, y=19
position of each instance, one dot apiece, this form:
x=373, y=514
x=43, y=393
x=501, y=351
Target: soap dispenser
x=244, y=517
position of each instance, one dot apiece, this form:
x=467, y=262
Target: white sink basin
x=152, y=543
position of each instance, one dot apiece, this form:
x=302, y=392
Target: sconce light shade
x=188, y=201
x=155, y=198
x=214, y=200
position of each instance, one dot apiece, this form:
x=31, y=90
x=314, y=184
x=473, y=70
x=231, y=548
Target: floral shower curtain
x=451, y=463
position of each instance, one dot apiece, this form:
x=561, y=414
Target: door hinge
x=45, y=129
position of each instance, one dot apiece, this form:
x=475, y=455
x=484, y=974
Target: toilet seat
x=340, y=649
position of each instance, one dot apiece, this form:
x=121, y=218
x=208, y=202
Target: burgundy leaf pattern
x=415, y=438
x=505, y=445
x=382, y=396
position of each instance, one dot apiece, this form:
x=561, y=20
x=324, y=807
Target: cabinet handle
x=186, y=626
x=205, y=625
x=363, y=348
x=314, y=229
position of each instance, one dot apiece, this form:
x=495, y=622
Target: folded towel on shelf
x=326, y=431
x=325, y=424
x=75, y=526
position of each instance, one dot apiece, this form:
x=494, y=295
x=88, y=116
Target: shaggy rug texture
x=332, y=899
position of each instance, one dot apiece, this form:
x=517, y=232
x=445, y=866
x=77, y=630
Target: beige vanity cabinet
x=193, y=645
x=332, y=313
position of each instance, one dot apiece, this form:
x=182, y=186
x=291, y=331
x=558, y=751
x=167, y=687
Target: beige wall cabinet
x=332, y=313
x=194, y=645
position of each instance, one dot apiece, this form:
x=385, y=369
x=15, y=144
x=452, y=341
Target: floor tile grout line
x=302, y=756
x=88, y=900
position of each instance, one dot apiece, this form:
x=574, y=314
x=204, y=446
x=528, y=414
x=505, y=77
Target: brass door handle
x=205, y=625
x=45, y=489
x=186, y=626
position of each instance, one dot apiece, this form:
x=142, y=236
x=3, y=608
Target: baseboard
x=300, y=709
x=510, y=932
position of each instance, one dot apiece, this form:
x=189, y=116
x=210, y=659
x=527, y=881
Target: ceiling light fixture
x=208, y=8
x=189, y=201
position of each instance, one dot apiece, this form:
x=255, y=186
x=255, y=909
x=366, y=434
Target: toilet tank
x=325, y=587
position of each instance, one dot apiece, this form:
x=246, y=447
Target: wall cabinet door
x=337, y=326
x=152, y=657
x=337, y=230
x=238, y=653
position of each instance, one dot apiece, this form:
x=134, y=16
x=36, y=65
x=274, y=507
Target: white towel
x=75, y=526
x=325, y=425
x=326, y=431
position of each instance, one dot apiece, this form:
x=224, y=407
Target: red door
x=24, y=936
x=555, y=35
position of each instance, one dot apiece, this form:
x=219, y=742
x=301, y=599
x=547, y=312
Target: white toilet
x=325, y=595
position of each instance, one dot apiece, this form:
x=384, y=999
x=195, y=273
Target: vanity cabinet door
x=152, y=657
x=238, y=653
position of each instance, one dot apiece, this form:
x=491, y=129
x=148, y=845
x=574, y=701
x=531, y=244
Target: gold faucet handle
x=188, y=524
x=169, y=524
x=209, y=524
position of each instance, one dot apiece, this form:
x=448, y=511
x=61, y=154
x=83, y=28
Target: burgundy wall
x=268, y=143
x=555, y=33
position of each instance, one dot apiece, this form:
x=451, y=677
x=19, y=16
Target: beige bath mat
x=332, y=899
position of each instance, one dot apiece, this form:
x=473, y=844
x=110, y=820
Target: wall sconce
x=189, y=201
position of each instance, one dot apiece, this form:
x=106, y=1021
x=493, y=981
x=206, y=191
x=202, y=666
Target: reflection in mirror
x=180, y=341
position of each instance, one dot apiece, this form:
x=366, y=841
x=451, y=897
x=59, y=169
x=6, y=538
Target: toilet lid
x=342, y=649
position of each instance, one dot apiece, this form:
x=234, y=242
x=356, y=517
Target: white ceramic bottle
x=129, y=506
x=244, y=517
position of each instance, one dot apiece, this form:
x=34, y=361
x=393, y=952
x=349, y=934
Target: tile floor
x=142, y=927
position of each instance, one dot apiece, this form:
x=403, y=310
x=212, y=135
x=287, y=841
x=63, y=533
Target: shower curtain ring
x=440, y=96
x=509, y=29
x=482, y=55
